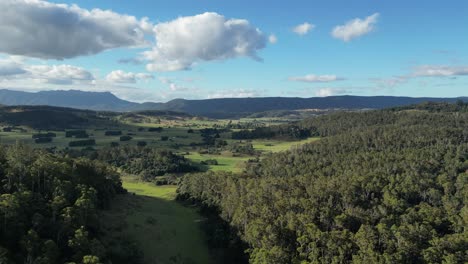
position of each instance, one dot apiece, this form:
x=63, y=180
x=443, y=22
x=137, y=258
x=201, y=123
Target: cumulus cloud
x=13, y=69
x=355, y=28
x=120, y=76
x=440, y=71
x=324, y=92
x=303, y=29
x=58, y=74
x=206, y=37
x=40, y=29
x=311, y=78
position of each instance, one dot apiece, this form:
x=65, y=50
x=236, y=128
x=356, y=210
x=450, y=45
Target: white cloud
x=324, y=92
x=40, y=29
x=303, y=29
x=439, y=71
x=239, y=93
x=273, y=39
x=206, y=37
x=355, y=28
x=120, y=76
x=13, y=68
x=316, y=78
x=58, y=74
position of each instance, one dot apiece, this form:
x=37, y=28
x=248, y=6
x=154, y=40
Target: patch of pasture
x=165, y=230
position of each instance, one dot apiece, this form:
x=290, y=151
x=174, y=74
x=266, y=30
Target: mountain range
x=216, y=108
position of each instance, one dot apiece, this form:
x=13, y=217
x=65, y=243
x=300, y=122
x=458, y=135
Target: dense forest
x=386, y=186
x=145, y=162
x=49, y=207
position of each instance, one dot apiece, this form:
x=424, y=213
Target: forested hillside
x=49, y=208
x=384, y=186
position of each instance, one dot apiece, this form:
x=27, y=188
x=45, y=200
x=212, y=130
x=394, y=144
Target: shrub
x=125, y=138
x=113, y=133
x=164, y=138
x=141, y=143
x=155, y=129
x=210, y=162
x=114, y=144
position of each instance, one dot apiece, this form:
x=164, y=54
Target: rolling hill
x=216, y=108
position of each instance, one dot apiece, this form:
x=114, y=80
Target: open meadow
x=165, y=230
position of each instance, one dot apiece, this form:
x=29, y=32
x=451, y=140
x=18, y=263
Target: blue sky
x=363, y=47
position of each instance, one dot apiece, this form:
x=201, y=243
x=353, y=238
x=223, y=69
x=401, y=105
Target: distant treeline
x=284, y=132
x=44, y=135
x=381, y=187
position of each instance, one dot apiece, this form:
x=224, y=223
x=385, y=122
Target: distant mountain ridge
x=218, y=108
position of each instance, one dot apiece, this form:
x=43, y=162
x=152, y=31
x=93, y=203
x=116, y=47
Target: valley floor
x=165, y=230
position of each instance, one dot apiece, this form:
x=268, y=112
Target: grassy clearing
x=277, y=146
x=226, y=162
x=165, y=230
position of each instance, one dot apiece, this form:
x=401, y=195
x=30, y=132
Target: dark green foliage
x=283, y=132
x=113, y=133
x=76, y=134
x=82, y=143
x=155, y=129
x=44, y=135
x=209, y=162
x=114, y=144
x=49, y=206
x=459, y=106
x=190, y=131
x=43, y=140
x=382, y=187
x=244, y=149
x=141, y=143
x=164, y=138
x=146, y=162
x=53, y=118
x=125, y=138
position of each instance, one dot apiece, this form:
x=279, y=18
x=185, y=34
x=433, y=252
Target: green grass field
x=226, y=162
x=165, y=230
x=178, y=138
x=277, y=146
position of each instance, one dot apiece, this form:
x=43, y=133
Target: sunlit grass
x=165, y=230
